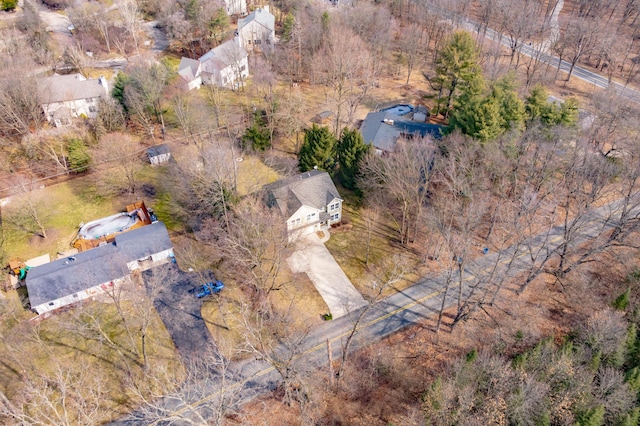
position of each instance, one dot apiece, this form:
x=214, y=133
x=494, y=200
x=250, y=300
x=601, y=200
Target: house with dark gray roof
x=384, y=128
x=309, y=202
x=158, y=154
x=63, y=97
x=93, y=272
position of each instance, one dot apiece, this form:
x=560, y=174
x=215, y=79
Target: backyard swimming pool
x=399, y=110
x=108, y=225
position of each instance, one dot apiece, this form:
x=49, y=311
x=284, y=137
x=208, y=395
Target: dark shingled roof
x=313, y=188
x=102, y=264
x=384, y=136
x=154, y=151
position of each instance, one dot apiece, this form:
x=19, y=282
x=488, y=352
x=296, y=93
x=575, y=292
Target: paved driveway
x=313, y=258
x=180, y=310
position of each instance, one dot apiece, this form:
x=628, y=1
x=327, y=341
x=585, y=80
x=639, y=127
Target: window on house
x=311, y=216
x=51, y=303
x=242, y=68
x=335, y=216
x=75, y=295
x=248, y=41
x=258, y=42
x=334, y=206
x=268, y=41
x=92, y=109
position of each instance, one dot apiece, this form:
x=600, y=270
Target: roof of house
x=224, y=55
x=313, y=188
x=71, y=87
x=382, y=129
x=261, y=16
x=154, y=151
x=188, y=68
x=100, y=265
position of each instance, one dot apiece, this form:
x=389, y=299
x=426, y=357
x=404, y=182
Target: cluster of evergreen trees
x=342, y=156
x=485, y=110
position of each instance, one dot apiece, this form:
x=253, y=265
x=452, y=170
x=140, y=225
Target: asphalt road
x=252, y=377
x=529, y=50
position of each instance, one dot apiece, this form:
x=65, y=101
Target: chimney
x=103, y=82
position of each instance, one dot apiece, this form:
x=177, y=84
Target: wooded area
x=527, y=198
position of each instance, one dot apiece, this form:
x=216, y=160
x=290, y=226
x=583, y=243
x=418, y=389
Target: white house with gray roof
x=63, y=97
x=257, y=30
x=309, y=202
x=226, y=65
x=93, y=272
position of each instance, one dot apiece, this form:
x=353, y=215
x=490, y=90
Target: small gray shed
x=158, y=154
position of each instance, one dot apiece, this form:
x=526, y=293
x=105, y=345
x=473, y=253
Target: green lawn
x=348, y=247
x=62, y=208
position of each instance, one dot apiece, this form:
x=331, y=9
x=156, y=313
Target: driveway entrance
x=313, y=258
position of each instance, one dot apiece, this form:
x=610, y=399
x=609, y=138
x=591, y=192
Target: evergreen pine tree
x=475, y=113
x=78, y=155
x=257, y=136
x=512, y=109
x=351, y=150
x=456, y=67
x=288, y=27
x=536, y=102
x=318, y=149
x=551, y=113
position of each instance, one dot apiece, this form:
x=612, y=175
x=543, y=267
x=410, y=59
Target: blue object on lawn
x=212, y=287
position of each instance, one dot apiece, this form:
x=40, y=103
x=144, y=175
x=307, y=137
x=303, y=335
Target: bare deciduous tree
x=124, y=153
x=401, y=179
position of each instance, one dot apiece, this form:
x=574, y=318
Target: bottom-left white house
x=84, y=275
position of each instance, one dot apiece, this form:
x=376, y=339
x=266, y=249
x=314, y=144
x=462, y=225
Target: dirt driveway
x=313, y=258
x=180, y=310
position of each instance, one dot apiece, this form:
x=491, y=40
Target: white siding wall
x=253, y=32
x=229, y=75
x=236, y=7
x=303, y=217
x=157, y=257
x=76, y=297
x=195, y=83
x=77, y=108
x=335, y=213
x=155, y=160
